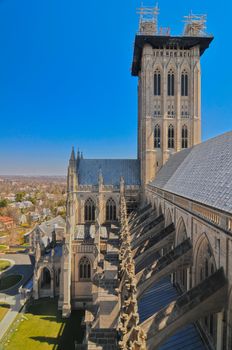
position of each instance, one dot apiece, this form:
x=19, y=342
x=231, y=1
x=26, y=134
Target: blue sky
x=65, y=78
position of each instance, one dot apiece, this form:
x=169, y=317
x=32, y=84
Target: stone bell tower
x=169, y=88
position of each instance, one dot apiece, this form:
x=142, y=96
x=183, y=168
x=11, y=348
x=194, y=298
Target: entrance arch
x=45, y=279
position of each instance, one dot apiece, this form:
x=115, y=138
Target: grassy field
x=42, y=328
x=4, y=264
x=3, y=247
x=9, y=281
x=3, y=310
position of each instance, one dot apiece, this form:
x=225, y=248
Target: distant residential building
x=10, y=197
x=22, y=205
x=35, y=217
x=6, y=223
x=46, y=211
x=23, y=219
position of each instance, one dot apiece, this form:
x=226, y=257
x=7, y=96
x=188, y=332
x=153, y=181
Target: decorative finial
x=100, y=177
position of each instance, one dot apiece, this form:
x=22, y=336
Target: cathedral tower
x=169, y=89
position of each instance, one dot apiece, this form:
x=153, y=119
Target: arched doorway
x=45, y=279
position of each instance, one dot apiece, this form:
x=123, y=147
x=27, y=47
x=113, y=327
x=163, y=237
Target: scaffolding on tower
x=148, y=18
x=195, y=25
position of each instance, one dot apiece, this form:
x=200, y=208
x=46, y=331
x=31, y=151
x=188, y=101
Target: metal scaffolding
x=195, y=25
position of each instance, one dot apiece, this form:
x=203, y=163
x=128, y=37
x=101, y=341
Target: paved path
x=23, y=265
x=16, y=304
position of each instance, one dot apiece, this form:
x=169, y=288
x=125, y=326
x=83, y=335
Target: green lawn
x=42, y=328
x=3, y=310
x=4, y=264
x=3, y=247
x=9, y=281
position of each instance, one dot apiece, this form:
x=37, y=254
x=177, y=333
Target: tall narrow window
x=184, y=83
x=111, y=210
x=171, y=136
x=171, y=83
x=157, y=83
x=84, y=269
x=184, y=136
x=157, y=136
x=89, y=210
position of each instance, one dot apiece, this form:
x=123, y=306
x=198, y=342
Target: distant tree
x=61, y=203
x=19, y=196
x=3, y=203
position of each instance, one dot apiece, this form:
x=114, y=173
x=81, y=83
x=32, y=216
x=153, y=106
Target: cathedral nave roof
x=202, y=173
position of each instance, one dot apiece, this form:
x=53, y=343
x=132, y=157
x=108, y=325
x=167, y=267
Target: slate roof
x=202, y=173
x=48, y=227
x=159, y=295
x=111, y=170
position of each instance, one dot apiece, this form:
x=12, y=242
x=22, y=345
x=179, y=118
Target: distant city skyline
x=65, y=79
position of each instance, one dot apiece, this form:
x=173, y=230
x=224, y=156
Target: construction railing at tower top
x=131, y=336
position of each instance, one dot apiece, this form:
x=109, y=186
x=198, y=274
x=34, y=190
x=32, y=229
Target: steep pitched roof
x=48, y=226
x=111, y=170
x=202, y=173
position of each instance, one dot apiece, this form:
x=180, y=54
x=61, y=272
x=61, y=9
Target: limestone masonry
x=146, y=250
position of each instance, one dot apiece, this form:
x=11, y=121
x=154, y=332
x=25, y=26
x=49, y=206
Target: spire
x=72, y=157
x=78, y=154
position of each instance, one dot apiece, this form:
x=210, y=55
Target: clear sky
x=65, y=78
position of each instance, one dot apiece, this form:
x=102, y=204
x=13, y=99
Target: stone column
x=219, y=331
x=178, y=116
x=188, y=278
x=69, y=235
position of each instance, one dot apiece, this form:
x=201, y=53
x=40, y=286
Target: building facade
x=151, y=237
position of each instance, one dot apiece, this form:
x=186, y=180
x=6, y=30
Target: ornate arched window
x=157, y=83
x=184, y=83
x=168, y=218
x=84, y=269
x=89, y=210
x=171, y=136
x=171, y=83
x=184, y=136
x=205, y=262
x=111, y=214
x=157, y=136
x=181, y=236
x=205, y=266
